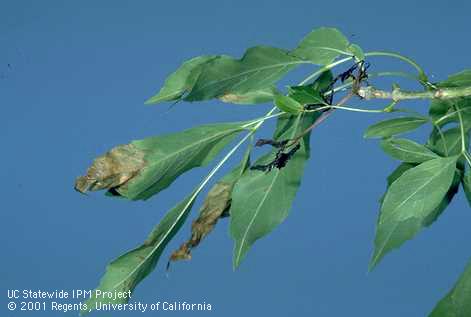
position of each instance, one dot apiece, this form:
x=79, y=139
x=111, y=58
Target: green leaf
x=181, y=81
x=455, y=186
x=394, y=126
x=467, y=186
x=312, y=93
x=306, y=95
x=403, y=167
x=450, y=144
x=445, y=111
x=399, y=171
x=146, y=167
x=357, y=52
x=287, y=104
x=457, y=303
x=261, y=201
x=407, y=151
x=464, y=107
x=446, y=108
x=259, y=68
x=323, y=82
x=460, y=79
x=127, y=271
x=265, y=95
x=322, y=46
x=440, y=109
x=409, y=201
x=395, y=174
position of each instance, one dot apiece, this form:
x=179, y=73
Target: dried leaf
x=252, y=97
x=215, y=206
x=146, y=167
x=217, y=201
x=112, y=169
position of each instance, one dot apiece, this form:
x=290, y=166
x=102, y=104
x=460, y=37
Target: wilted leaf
x=113, y=169
x=322, y=46
x=217, y=201
x=457, y=303
x=409, y=201
x=151, y=165
x=259, y=68
x=394, y=126
x=261, y=201
x=181, y=81
x=127, y=271
x=215, y=206
x=250, y=98
x=407, y=151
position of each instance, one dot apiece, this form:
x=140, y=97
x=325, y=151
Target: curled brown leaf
x=214, y=207
x=112, y=169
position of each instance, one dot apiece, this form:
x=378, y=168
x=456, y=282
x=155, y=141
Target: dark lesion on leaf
x=361, y=68
x=358, y=73
x=275, y=144
x=282, y=156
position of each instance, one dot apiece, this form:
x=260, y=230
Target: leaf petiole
x=467, y=156
x=348, y=108
x=460, y=117
x=422, y=76
x=262, y=119
x=448, y=115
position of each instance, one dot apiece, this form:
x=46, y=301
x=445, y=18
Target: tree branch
x=397, y=94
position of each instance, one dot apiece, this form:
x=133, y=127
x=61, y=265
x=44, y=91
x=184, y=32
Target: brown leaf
x=216, y=203
x=230, y=98
x=112, y=169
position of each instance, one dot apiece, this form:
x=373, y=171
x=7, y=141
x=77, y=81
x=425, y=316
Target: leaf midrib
x=244, y=237
x=424, y=153
x=402, y=122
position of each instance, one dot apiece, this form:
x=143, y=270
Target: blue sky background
x=73, y=79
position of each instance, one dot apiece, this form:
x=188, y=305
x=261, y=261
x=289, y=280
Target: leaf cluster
x=257, y=197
